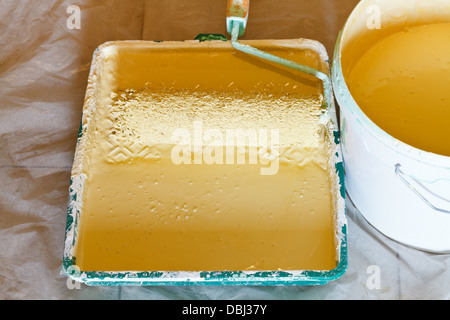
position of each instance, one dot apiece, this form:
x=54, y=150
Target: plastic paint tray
x=101, y=72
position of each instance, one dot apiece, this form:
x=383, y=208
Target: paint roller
x=237, y=17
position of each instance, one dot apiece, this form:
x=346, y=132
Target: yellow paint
x=402, y=83
x=142, y=212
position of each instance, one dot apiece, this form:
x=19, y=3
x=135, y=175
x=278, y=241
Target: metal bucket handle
x=402, y=177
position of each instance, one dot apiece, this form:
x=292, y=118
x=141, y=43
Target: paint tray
x=119, y=257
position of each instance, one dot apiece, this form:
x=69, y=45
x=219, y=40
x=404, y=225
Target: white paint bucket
x=402, y=191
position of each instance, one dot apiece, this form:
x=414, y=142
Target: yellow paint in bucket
x=402, y=83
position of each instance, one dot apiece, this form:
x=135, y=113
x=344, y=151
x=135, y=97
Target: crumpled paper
x=44, y=65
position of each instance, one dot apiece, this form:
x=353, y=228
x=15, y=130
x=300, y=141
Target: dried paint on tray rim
x=147, y=278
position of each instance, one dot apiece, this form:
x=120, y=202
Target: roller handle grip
x=237, y=10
